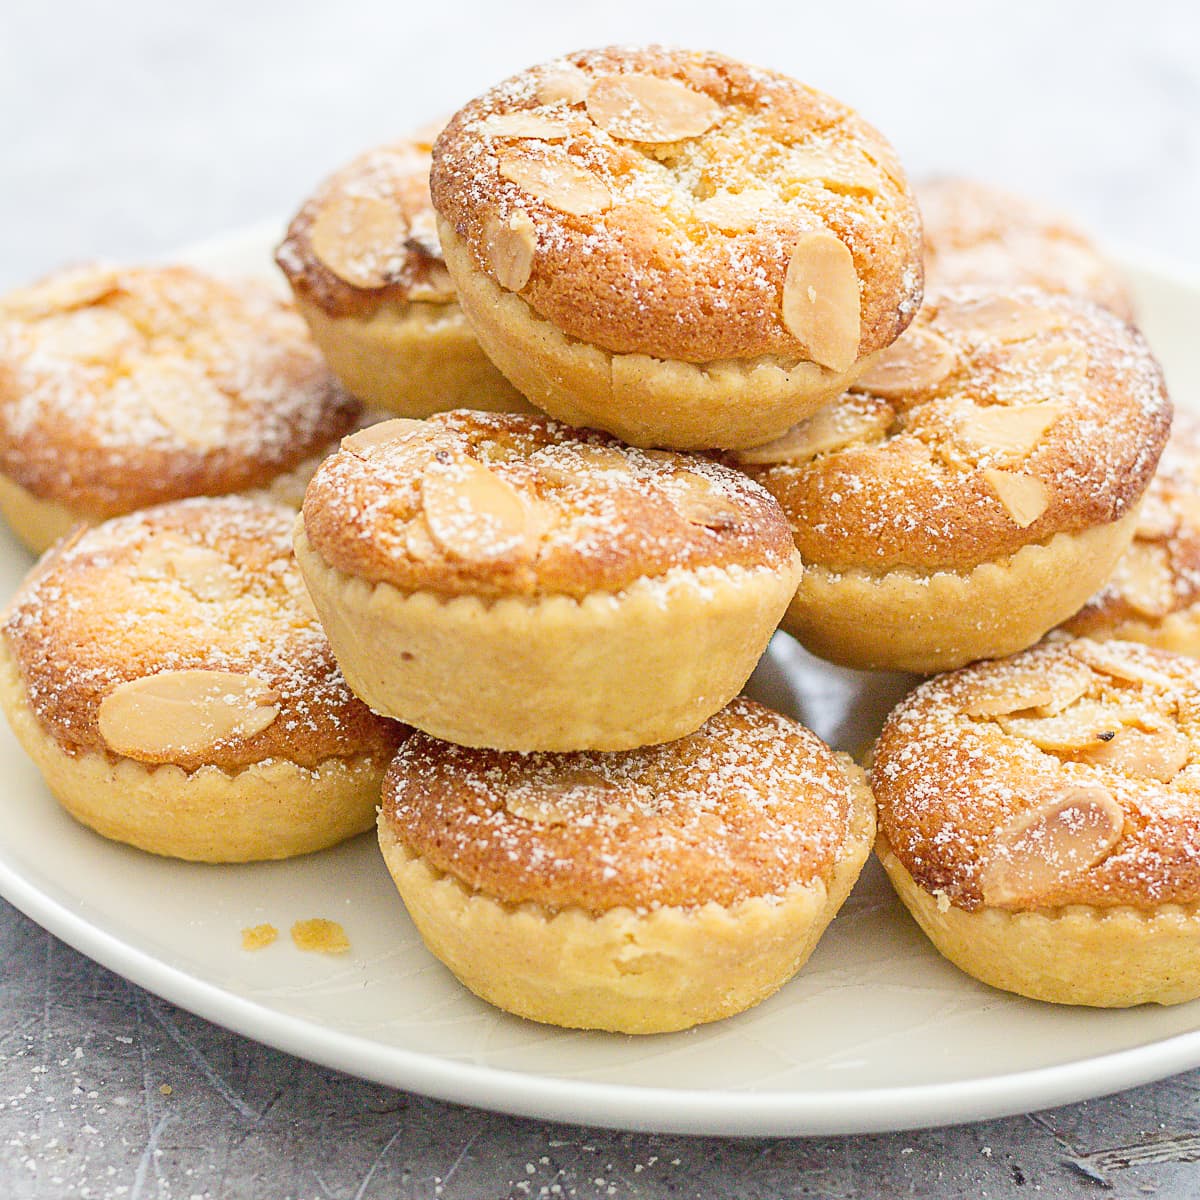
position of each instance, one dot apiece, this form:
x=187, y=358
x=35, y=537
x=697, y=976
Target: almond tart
x=976, y=487
x=503, y=580
x=673, y=246
x=126, y=387
x=1039, y=816
x=363, y=261
x=641, y=892
x=168, y=675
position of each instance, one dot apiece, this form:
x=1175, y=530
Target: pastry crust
x=1153, y=596
x=976, y=233
x=660, y=210
x=124, y=387
x=380, y=304
x=504, y=581
x=1005, y=435
x=642, y=892
x=1041, y=817
x=181, y=637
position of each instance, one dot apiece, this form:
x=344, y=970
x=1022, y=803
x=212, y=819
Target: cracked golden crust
x=205, y=584
x=949, y=782
x=495, y=505
x=975, y=233
x=1154, y=593
x=643, y=271
x=749, y=805
x=404, y=266
x=918, y=488
x=125, y=387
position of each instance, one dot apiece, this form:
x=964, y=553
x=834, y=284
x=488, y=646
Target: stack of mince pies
x=643, y=354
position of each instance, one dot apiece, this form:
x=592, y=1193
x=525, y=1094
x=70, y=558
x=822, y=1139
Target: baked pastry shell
x=1079, y=954
x=645, y=401
x=612, y=671
x=624, y=970
x=908, y=620
x=268, y=810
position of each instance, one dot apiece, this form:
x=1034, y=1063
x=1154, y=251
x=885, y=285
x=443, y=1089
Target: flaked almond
x=645, y=108
x=433, y=286
x=734, y=212
x=1065, y=362
x=703, y=502
x=174, y=714
x=1044, y=687
x=561, y=800
x=191, y=408
x=1024, y=496
x=571, y=465
x=418, y=543
x=525, y=124
x=853, y=419
x=834, y=171
x=1007, y=430
x=61, y=292
x=915, y=362
x=821, y=304
x=512, y=244
x=1144, y=753
x=362, y=441
x=565, y=84
x=1117, y=661
x=1077, y=729
x=359, y=238
x=1156, y=521
x=1146, y=581
x=999, y=317
x=561, y=184
x=99, y=335
x=1040, y=850
x=475, y=515
x=199, y=570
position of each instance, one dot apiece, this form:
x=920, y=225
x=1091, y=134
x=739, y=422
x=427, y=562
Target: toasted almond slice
x=1000, y=317
x=1117, y=661
x=571, y=464
x=1064, y=362
x=1147, y=754
x=525, y=124
x=1024, y=496
x=195, y=411
x=61, y=292
x=562, y=799
x=433, y=287
x=1045, y=688
x=475, y=515
x=734, y=212
x=1081, y=727
x=418, y=543
x=513, y=243
x=821, y=305
x=560, y=184
x=1008, y=430
x=846, y=421
x=362, y=441
x=563, y=83
x=199, y=570
x=158, y=718
x=915, y=362
x=1146, y=581
x=703, y=502
x=359, y=238
x=96, y=334
x=1156, y=521
x=645, y=108
x=831, y=170
x=1044, y=848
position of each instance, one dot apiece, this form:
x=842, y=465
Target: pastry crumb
x=257, y=937
x=320, y=936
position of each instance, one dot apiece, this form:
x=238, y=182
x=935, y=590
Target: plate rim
x=708, y=1111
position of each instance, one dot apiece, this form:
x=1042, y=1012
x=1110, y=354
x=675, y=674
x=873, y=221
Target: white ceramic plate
x=877, y=1032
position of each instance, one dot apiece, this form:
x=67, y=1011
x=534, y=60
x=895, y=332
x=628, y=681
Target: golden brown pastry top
x=975, y=233
x=750, y=804
x=184, y=634
x=684, y=205
x=368, y=235
x=1159, y=574
x=999, y=419
x=123, y=387
x=503, y=504
x=1068, y=774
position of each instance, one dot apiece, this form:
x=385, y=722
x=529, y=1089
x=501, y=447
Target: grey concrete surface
x=130, y=128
